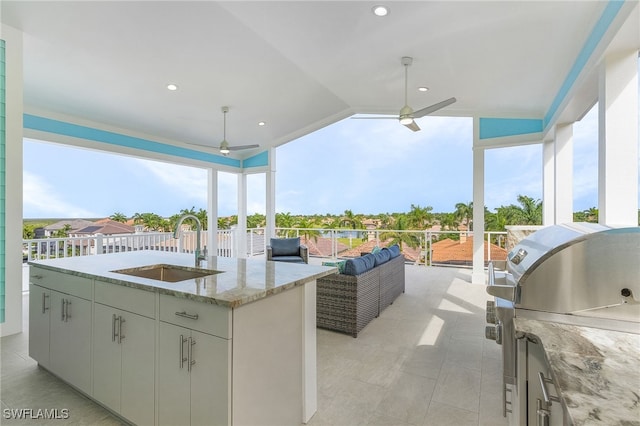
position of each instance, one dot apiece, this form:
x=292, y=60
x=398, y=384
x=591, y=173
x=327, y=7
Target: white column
x=478, y=276
x=563, y=173
x=271, y=196
x=13, y=181
x=241, y=230
x=548, y=183
x=212, y=212
x=618, y=140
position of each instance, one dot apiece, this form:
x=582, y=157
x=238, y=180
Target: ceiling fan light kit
x=225, y=149
x=407, y=115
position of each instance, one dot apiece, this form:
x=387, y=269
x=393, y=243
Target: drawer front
x=128, y=299
x=204, y=317
x=62, y=282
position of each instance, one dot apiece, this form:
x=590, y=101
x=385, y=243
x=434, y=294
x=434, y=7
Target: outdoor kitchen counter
x=595, y=371
x=239, y=282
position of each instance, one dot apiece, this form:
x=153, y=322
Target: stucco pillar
x=212, y=212
x=478, y=276
x=11, y=183
x=548, y=182
x=618, y=140
x=563, y=180
x=241, y=230
x=271, y=196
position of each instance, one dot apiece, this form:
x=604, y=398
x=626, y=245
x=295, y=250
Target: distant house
x=74, y=225
x=104, y=227
x=321, y=246
x=451, y=252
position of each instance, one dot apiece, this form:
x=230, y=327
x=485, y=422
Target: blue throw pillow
x=395, y=251
x=382, y=256
x=375, y=250
x=285, y=246
x=359, y=265
x=339, y=264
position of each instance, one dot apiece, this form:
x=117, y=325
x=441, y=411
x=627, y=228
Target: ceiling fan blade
x=240, y=147
x=375, y=118
x=413, y=126
x=433, y=108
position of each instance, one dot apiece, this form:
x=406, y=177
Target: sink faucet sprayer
x=200, y=254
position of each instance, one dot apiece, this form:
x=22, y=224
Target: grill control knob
x=491, y=312
x=494, y=332
x=490, y=332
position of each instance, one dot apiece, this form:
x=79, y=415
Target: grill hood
x=576, y=267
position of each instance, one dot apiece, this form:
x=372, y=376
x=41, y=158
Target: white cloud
x=189, y=181
x=40, y=199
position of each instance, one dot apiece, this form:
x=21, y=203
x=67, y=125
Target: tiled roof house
x=453, y=252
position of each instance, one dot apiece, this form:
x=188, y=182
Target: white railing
x=417, y=245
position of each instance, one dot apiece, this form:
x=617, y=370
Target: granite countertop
x=241, y=280
x=596, y=372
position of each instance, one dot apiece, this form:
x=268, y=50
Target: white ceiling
x=297, y=65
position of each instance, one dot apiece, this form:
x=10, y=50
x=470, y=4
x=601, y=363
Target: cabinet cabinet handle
x=66, y=310
x=184, y=314
x=543, y=415
x=62, y=310
x=44, y=302
x=120, y=335
x=192, y=361
x=182, y=358
x=37, y=277
x=113, y=328
x=545, y=394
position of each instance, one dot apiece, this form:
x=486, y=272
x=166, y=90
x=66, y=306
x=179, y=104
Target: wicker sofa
x=347, y=303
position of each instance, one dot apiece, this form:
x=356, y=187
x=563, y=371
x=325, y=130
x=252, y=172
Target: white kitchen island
x=234, y=346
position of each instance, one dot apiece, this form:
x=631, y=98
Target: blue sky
x=367, y=166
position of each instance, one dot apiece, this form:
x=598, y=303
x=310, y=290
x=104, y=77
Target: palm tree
x=401, y=238
x=449, y=222
x=256, y=220
x=151, y=221
x=592, y=214
x=464, y=213
x=528, y=213
x=350, y=220
x=531, y=210
x=419, y=217
x=308, y=230
x=119, y=217
x=285, y=220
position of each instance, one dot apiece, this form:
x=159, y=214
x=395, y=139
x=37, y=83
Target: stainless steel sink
x=167, y=273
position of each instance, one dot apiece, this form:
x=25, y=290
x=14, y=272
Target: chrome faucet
x=200, y=254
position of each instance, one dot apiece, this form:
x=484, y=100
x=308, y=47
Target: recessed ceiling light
x=423, y=89
x=261, y=123
x=172, y=87
x=380, y=10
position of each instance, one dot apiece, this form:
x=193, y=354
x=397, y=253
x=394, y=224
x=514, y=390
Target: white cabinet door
x=173, y=375
x=210, y=392
x=106, y=358
x=138, y=368
x=39, y=316
x=123, y=363
x=70, y=339
x=194, y=370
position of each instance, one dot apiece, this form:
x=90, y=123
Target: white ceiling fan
x=225, y=148
x=407, y=114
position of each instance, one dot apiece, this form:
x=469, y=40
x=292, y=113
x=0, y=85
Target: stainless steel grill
x=578, y=273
